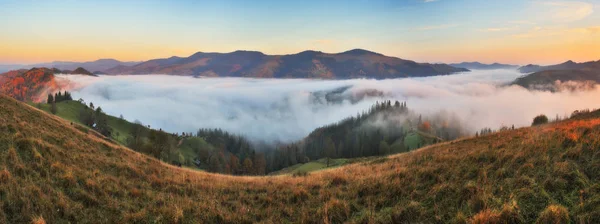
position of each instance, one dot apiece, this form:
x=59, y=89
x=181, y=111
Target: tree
x=50, y=99
x=234, y=164
x=425, y=127
x=539, y=120
x=102, y=125
x=329, y=149
x=214, y=164
x=86, y=117
x=260, y=164
x=53, y=109
x=67, y=96
x=384, y=148
x=247, y=166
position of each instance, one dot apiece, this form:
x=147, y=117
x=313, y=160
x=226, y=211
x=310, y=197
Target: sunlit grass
x=51, y=171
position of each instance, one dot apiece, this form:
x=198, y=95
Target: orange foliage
x=27, y=84
x=425, y=127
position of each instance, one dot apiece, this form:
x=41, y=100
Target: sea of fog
x=289, y=109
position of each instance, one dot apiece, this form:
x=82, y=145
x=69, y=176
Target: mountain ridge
x=96, y=65
x=482, y=66
x=355, y=63
x=568, y=65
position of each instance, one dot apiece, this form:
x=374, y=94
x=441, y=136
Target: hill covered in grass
x=54, y=172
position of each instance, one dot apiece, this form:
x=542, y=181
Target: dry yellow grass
x=50, y=169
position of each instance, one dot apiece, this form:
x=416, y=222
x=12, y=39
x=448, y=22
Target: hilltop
x=355, y=63
x=547, y=172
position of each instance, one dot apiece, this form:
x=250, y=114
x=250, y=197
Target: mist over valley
x=285, y=110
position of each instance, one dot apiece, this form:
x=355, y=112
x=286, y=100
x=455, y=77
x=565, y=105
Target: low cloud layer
x=289, y=109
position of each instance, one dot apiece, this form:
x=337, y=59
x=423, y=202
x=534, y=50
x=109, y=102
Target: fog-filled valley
x=286, y=110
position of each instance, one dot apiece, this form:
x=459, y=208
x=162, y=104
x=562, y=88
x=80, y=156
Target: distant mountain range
x=94, y=66
x=481, y=66
x=356, y=63
x=569, y=65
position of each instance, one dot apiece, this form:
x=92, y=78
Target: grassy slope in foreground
x=52, y=171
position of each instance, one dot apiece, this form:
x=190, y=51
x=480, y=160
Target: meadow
x=547, y=173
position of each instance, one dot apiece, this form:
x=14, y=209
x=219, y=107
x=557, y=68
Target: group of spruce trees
x=368, y=134
x=57, y=97
x=233, y=154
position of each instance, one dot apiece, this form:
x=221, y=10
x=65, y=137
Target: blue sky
x=512, y=31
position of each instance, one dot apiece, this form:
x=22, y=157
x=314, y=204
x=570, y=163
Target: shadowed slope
x=50, y=170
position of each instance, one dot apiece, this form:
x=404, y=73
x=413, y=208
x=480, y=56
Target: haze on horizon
x=513, y=31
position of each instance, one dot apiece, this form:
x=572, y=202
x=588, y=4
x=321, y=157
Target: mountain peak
x=359, y=51
x=106, y=60
x=81, y=71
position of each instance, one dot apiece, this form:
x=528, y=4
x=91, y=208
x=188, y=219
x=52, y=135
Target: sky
x=508, y=31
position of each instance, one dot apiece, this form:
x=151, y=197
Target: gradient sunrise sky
x=508, y=31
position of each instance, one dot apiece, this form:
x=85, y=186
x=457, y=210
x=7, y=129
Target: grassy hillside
x=51, y=171
x=186, y=151
x=70, y=110
x=303, y=168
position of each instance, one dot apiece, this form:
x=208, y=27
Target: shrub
x=336, y=211
x=38, y=220
x=531, y=201
x=413, y=212
x=5, y=176
x=460, y=218
x=300, y=195
x=301, y=173
x=486, y=217
x=554, y=214
x=337, y=181
x=539, y=120
x=510, y=213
